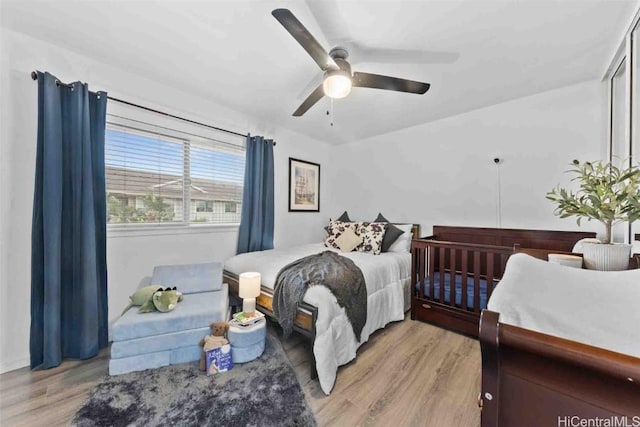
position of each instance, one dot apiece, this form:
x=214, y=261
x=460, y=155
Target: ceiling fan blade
x=402, y=56
x=377, y=81
x=315, y=96
x=304, y=37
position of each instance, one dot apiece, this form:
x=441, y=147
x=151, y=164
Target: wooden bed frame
x=477, y=254
x=305, y=322
x=533, y=379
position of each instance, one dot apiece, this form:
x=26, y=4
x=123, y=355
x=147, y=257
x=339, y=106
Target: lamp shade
x=249, y=285
x=337, y=84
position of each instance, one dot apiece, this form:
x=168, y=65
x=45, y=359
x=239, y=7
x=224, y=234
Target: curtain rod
x=34, y=76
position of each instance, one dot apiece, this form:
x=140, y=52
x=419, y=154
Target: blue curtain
x=256, y=222
x=68, y=259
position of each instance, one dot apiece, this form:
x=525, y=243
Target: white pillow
x=348, y=241
x=403, y=243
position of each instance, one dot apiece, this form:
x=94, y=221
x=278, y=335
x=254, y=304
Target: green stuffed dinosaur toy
x=155, y=298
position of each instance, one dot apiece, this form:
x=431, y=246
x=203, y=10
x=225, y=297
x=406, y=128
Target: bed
x=320, y=318
x=558, y=343
x=473, y=260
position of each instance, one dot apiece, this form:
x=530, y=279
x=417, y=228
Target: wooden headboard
x=415, y=230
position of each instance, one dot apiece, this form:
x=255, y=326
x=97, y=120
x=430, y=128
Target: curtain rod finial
x=34, y=75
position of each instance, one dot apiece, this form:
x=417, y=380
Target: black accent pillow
x=391, y=235
x=343, y=218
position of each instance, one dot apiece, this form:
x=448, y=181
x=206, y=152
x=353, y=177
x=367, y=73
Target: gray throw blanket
x=343, y=278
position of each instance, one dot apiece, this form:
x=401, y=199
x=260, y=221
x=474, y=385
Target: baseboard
x=12, y=365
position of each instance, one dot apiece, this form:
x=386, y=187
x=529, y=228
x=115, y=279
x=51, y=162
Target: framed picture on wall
x=304, y=186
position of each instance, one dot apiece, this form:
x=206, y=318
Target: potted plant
x=607, y=194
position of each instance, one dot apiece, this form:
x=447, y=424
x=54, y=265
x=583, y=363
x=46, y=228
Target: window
x=204, y=206
x=231, y=207
x=156, y=174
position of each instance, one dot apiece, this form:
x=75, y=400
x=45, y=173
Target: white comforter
x=387, y=280
x=597, y=308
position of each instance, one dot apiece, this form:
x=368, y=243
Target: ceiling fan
x=338, y=78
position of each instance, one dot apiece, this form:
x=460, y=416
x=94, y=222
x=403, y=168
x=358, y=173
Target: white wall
x=443, y=172
x=132, y=256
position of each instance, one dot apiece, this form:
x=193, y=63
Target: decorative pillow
x=372, y=234
x=403, y=244
x=336, y=228
x=344, y=218
x=348, y=240
x=391, y=235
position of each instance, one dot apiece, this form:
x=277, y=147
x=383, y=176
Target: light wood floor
x=408, y=374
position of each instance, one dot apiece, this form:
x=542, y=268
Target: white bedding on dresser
x=388, y=296
x=598, y=308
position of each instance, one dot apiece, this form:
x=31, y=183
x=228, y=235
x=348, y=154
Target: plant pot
x=606, y=257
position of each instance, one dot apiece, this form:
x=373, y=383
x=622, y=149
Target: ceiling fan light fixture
x=337, y=84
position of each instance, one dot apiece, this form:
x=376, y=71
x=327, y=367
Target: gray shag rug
x=263, y=392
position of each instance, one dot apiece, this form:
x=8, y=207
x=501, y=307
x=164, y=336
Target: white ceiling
x=237, y=54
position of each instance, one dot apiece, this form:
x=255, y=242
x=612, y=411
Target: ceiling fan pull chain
x=331, y=111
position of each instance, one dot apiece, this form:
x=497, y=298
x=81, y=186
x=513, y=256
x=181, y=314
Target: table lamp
x=249, y=290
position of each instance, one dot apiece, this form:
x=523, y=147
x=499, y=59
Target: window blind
x=160, y=175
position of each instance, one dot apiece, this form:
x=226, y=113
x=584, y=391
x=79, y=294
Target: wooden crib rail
x=486, y=262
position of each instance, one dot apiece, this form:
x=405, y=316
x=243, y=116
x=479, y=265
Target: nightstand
x=247, y=342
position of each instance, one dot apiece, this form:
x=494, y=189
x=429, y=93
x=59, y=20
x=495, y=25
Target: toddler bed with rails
x=561, y=346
